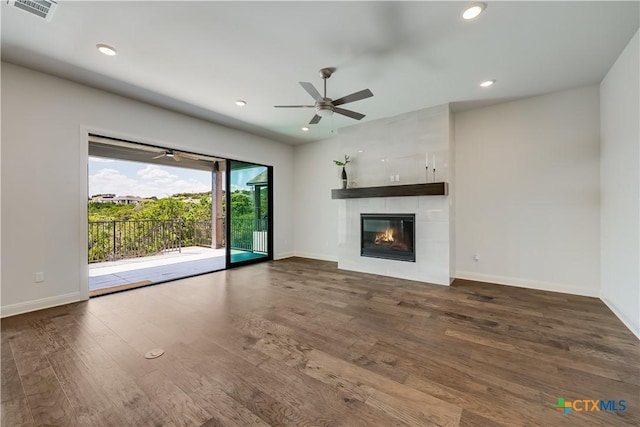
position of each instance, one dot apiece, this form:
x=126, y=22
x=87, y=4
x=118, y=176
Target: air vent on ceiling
x=42, y=8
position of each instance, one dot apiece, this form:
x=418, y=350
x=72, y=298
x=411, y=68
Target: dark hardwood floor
x=301, y=343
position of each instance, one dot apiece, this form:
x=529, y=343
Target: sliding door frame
x=269, y=256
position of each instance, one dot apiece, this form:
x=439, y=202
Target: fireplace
x=389, y=236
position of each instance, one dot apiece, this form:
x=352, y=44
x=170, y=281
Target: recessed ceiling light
x=487, y=83
x=106, y=49
x=241, y=103
x=360, y=151
x=473, y=11
x=305, y=129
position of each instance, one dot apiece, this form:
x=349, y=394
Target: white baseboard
x=633, y=327
x=320, y=257
x=283, y=255
x=530, y=284
x=40, y=304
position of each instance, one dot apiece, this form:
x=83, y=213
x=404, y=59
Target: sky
x=240, y=177
x=123, y=178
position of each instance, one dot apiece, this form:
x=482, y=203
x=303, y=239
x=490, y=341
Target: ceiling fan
x=326, y=106
x=176, y=155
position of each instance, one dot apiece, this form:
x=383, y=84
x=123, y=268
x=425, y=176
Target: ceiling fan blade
x=357, y=96
x=315, y=120
x=294, y=106
x=159, y=155
x=176, y=157
x=349, y=113
x=311, y=90
x=185, y=155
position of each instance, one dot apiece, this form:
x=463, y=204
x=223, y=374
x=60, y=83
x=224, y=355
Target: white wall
x=316, y=215
x=527, y=192
x=44, y=176
x=620, y=186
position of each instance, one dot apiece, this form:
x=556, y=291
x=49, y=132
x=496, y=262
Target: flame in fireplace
x=385, y=236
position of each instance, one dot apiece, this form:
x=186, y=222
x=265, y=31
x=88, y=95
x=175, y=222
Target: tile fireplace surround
x=397, y=147
x=431, y=243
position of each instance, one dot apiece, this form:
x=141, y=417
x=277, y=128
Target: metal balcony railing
x=115, y=240
x=249, y=234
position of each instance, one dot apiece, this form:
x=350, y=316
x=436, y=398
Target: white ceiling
x=199, y=57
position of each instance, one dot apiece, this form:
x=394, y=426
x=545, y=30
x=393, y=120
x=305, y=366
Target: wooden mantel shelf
x=431, y=189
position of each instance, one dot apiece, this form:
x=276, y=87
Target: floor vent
x=42, y=8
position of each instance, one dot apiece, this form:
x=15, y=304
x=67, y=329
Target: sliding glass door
x=249, y=213
x=165, y=221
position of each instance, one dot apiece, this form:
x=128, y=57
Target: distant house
x=120, y=200
x=103, y=198
x=259, y=183
x=190, y=200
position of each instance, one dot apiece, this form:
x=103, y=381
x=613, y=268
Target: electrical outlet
x=391, y=178
x=397, y=178
x=39, y=277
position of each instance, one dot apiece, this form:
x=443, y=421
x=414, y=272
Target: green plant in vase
x=344, y=171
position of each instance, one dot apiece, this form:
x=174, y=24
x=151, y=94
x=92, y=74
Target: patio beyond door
x=154, y=214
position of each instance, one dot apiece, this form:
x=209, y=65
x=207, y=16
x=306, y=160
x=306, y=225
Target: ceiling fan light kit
x=324, y=109
x=168, y=153
x=325, y=106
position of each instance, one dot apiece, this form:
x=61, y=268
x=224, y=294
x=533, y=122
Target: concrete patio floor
x=157, y=268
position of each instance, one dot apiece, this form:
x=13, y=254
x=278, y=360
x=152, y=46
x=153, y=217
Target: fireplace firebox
x=389, y=236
